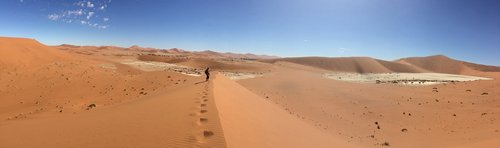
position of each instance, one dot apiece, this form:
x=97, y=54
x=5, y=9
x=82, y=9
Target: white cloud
x=75, y=12
x=90, y=5
x=21, y=1
x=102, y=27
x=90, y=15
x=54, y=17
x=84, y=12
x=80, y=3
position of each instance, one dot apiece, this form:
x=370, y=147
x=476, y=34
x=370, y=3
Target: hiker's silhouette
x=207, y=73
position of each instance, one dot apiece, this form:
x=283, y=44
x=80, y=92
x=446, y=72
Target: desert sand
x=106, y=96
x=372, y=115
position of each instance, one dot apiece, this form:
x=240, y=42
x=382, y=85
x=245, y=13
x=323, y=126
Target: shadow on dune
x=200, y=82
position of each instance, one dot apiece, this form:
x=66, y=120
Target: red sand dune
x=249, y=121
x=27, y=52
x=438, y=64
x=209, y=53
x=370, y=115
x=202, y=63
x=350, y=64
x=443, y=64
x=168, y=119
x=220, y=65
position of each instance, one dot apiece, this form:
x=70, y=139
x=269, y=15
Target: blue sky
x=386, y=29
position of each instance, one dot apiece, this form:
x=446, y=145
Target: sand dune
x=65, y=87
x=173, y=51
x=350, y=64
x=202, y=63
x=195, y=60
x=210, y=53
x=170, y=119
x=250, y=121
x=372, y=115
x=443, y=64
x=437, y=64
x=27, y=52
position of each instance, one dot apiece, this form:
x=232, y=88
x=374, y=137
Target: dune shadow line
x=200, y=82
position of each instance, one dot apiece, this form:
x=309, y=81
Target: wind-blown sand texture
x=374, y=115
x=250, y=121
x=169, y=119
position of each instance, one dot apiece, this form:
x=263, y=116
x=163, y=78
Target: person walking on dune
x=207, y=73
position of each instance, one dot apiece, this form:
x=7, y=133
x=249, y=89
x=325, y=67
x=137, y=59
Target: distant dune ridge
x=207, y=53
x=201, y=63
x=349, y=64
x=438, y=63
x=443, y=64
x=15, y=52
x=234, y=55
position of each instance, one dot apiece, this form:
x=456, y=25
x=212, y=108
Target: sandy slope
x=371, y=114
x=250, y=121
x=437, y=63
x=69, y=87
x=350, y=64
x=443, y=64
x=202, y=63
x=170, y=119
x=45, y=94
x=489, y=143
x=18, y=52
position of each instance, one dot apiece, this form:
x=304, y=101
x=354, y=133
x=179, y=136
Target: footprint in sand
x=203, y=120
x=207, y=133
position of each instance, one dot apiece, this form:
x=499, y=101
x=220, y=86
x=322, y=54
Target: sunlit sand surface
x=88, y=96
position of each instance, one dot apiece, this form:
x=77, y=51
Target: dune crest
x=27, y=52
x=437, y=64
x=349, y=64
x=249, y=121
x=444, y=64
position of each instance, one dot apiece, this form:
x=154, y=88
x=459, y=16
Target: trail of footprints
x=203, y=118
